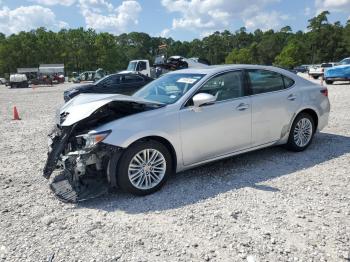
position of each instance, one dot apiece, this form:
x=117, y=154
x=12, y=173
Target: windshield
x=132, y=66
x=345, y=61
x=168, y=88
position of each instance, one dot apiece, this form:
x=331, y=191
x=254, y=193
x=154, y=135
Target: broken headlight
x=92, y=138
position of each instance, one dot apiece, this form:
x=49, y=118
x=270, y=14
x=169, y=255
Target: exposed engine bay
x=79, y=165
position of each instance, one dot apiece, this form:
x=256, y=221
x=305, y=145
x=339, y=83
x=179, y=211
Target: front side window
x=263, y=81
x=169, y=88
x=225, y=86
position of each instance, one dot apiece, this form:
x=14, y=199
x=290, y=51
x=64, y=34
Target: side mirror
x=203, y=99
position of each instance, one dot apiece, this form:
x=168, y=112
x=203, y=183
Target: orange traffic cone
x=15, y=114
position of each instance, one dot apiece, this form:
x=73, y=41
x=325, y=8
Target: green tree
x=240, y=56
x=80, y=49
x=291, y=55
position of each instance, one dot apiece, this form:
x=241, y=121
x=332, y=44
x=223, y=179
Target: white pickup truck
x=172, y=63
x=140, y=66
x=317, y=70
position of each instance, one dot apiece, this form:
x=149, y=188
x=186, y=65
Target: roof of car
x=127, y=73
x=219, y=68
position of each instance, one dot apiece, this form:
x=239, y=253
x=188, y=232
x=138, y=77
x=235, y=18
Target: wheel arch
x=310, y=112
x=166, y=143
x=286, y=132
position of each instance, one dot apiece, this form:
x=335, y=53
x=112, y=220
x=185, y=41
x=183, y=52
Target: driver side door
x=220, y=128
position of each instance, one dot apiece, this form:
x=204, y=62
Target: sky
x=179, y=19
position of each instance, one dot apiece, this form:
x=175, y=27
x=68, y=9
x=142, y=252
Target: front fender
x=124, y=140
x=128, y=130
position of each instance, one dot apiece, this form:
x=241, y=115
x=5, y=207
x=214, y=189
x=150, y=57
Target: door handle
x=291, y=97
x=242, y=107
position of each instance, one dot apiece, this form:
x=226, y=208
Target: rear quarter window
x=288, y=82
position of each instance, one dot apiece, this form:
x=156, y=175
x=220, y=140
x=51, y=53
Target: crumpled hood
x=84, y=105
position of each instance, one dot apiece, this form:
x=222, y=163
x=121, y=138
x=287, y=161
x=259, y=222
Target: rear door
x=109, y=85
x=132, y=83
x=274, y=101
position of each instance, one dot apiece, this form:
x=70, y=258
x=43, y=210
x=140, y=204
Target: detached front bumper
x=81, y=174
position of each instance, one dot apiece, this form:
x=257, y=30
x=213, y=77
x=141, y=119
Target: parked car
x=181, y=120
x=318, y=70
x=88, y=76
x=126, y=84
x=3, y=81
x=58, y=78
x=341, y=72
x=42, y=80
x=18, y=80
x=292, y=70
x=301, y=69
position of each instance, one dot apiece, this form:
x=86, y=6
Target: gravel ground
x=270, y=205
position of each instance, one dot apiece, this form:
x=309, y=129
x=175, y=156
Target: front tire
x=301, y=133
x=144, y=167
x=329, y=82
x=315, y=77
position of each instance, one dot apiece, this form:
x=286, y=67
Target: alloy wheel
x=303, y=132
x=147, y=169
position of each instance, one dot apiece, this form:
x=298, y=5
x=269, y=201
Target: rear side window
x=132, y=79
x=288, y=82
x=263, y=81
x=112, y=80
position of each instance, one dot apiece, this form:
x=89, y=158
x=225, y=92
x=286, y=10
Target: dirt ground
x=269, y=205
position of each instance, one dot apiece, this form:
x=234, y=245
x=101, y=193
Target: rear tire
x=301, y=133
x=144, y=167
x=329, y=82
x=315, y=77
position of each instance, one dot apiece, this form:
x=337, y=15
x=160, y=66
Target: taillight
x=324, y=92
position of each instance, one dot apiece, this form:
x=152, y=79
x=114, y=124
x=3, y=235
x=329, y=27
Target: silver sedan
x=184, y=119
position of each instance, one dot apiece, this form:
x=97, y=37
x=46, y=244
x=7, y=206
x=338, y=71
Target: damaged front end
x=78, y=172
x=79, y=165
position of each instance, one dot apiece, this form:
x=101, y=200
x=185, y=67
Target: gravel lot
x=270, y=205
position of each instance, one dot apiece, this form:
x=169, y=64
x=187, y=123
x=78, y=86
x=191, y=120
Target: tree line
x=81, y=49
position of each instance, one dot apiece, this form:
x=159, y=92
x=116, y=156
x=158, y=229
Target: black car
x=301, y=69
x=125, y=84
